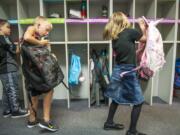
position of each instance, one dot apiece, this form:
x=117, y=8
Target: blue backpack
x=177, y=74
x=75, y=70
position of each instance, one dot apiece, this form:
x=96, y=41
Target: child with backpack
x=126, y=89
x=32, y=37
x=9, y=74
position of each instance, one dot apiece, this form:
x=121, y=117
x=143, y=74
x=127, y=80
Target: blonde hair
x=117, y=23
x=39, y=19
x=48, y=25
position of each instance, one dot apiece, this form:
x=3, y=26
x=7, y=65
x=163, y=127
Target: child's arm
x=17, y=49
x=29, y=37
x=143, y=26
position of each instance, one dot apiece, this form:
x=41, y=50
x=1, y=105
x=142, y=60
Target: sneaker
x=113, y=126
x=20, y=113
x=6, y=113
x=135, y=133
x=48, y=125
x=32, y=124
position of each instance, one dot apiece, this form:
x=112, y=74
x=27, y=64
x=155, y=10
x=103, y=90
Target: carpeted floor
x=159, y=119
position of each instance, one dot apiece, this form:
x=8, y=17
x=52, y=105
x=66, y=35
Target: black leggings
x=134, y=115
x=112, y=110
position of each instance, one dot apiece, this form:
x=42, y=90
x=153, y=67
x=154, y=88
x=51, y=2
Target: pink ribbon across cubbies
x=92, y=20
x=87, y=20
x=164, y=21
x=105, y=20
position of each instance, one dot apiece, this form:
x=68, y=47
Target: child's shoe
x=6, y=113
x=113, y=126
x=32, y=124
x=48, y=125
x=20, y=113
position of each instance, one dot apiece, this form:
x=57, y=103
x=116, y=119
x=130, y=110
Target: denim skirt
x=126, y=89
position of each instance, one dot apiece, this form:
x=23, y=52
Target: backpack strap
x=127, y=72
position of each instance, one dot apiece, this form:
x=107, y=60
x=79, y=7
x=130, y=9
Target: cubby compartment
x=58, y=33
x=8, y=9
x=166, y=9
x=167, y=31
x=178, y=12
x=53, y=9
x=80, y=91
x=96, y=32
x=178, y=32
x=145, y=8
x=76, y=5
x=147, y=89
x=125, y=6
x=14, y=33
x=60, y=92
x=22, y=30
x=76, y=31
x=99, y=63
x=178, y=51
x=28, y=8
x=99, y=8
x=166, y=74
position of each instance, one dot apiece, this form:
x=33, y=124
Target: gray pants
x=10, y=82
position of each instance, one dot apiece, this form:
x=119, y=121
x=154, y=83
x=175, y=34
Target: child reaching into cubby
x=126, y=89
x=33, y=36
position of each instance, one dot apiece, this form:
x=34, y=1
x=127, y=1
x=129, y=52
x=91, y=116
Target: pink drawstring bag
x=150, y=55
x=144, y=72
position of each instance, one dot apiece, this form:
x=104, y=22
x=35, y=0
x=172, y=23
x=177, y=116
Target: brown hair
x=117, y=23
x=2, y=22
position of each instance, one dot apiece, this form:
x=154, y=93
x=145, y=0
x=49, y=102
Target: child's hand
x=44, y=42
x=143, y=26
x=142, y=22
